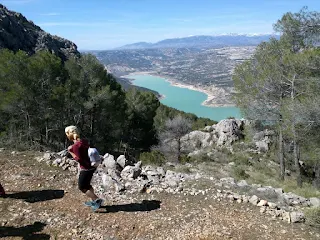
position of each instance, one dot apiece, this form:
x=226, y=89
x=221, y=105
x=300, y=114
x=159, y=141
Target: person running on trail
x=79, y=151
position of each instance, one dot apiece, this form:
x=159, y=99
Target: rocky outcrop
x=17, y=33
x=263, y=139
x=222, y=134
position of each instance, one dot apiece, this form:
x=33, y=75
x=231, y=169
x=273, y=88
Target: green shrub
x=239, y=173
x=201, y=158
x=153, y=157
x=185, y=159
x=313, y=217
x=263, y=168
x=241, y=159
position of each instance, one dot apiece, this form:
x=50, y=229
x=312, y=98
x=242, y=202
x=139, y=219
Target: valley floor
x=43, y=203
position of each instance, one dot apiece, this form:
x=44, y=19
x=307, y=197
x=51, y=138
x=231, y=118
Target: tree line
x=40, y=95
x=279, y=86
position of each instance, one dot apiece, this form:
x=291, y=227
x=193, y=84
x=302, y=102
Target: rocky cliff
x=17, y=33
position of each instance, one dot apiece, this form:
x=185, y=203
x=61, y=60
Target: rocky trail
x=44, y=203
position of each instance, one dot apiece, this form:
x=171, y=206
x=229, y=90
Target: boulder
x=196, y=140
x=229, y=130
x=109, y=162
x=293, y=199
x=131, y=172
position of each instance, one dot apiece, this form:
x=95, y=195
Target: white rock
x=109, y=162
x=315, y=202
x=122, y=161
x=297, y=217
x=242, y=183
x=254, y=200
x=272, y=205
x=262, y=203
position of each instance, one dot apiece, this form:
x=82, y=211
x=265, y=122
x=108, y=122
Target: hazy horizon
x=103, y=25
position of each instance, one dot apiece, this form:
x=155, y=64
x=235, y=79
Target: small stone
x=242, y=183
x=297, y=217
x=272, y=205
x=263, y=209
x=236, y=196
x=245, y=199
x=254, y=200
x=315, y=202
x=231, y=197
x=279, y=191
x=149, y=190
x=286, y=217
x=262, y=203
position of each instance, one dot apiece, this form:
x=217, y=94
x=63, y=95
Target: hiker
x=79, y=151
x=2, y=192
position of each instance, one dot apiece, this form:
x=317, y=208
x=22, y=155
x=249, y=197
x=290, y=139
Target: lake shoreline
x=210, y=95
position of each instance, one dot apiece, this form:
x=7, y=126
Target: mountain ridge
x=18, y=33
x=203, y=41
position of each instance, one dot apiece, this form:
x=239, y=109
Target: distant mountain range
x=204, y=42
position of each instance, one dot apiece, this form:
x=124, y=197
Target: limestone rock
x=242, y=183
x=196, y=140
x=131, y=172
x=228, y=180
x=109, y=162
x=315, y=202
x=272, y=205
x=229, y=130
x=122, y=161
x=297, y=217
x=262, y=203
x=254, y=200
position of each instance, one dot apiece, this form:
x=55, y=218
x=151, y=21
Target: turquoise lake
x=184, y=99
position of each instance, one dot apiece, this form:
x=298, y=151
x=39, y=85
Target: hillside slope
x=44, y=203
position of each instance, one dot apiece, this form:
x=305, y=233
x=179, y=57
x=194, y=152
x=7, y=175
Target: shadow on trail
x=37, y=196
x=144, y=206
x=28, y=232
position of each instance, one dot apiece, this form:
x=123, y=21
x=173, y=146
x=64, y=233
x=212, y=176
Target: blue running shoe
x=89, y=203
x=96, y=204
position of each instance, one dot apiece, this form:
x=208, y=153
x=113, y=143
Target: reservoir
x=184, y=99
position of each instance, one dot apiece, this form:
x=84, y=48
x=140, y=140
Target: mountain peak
x=17, y=33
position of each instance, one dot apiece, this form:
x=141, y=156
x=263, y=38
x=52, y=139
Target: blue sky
x=106, y=24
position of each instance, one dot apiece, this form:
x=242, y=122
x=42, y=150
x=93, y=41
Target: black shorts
x=84, y=180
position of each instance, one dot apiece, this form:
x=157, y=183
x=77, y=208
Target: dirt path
x=44, y=203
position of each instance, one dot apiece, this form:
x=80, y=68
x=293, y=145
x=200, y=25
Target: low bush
x=313, y=217
x=239, y=172
x=153, y=157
